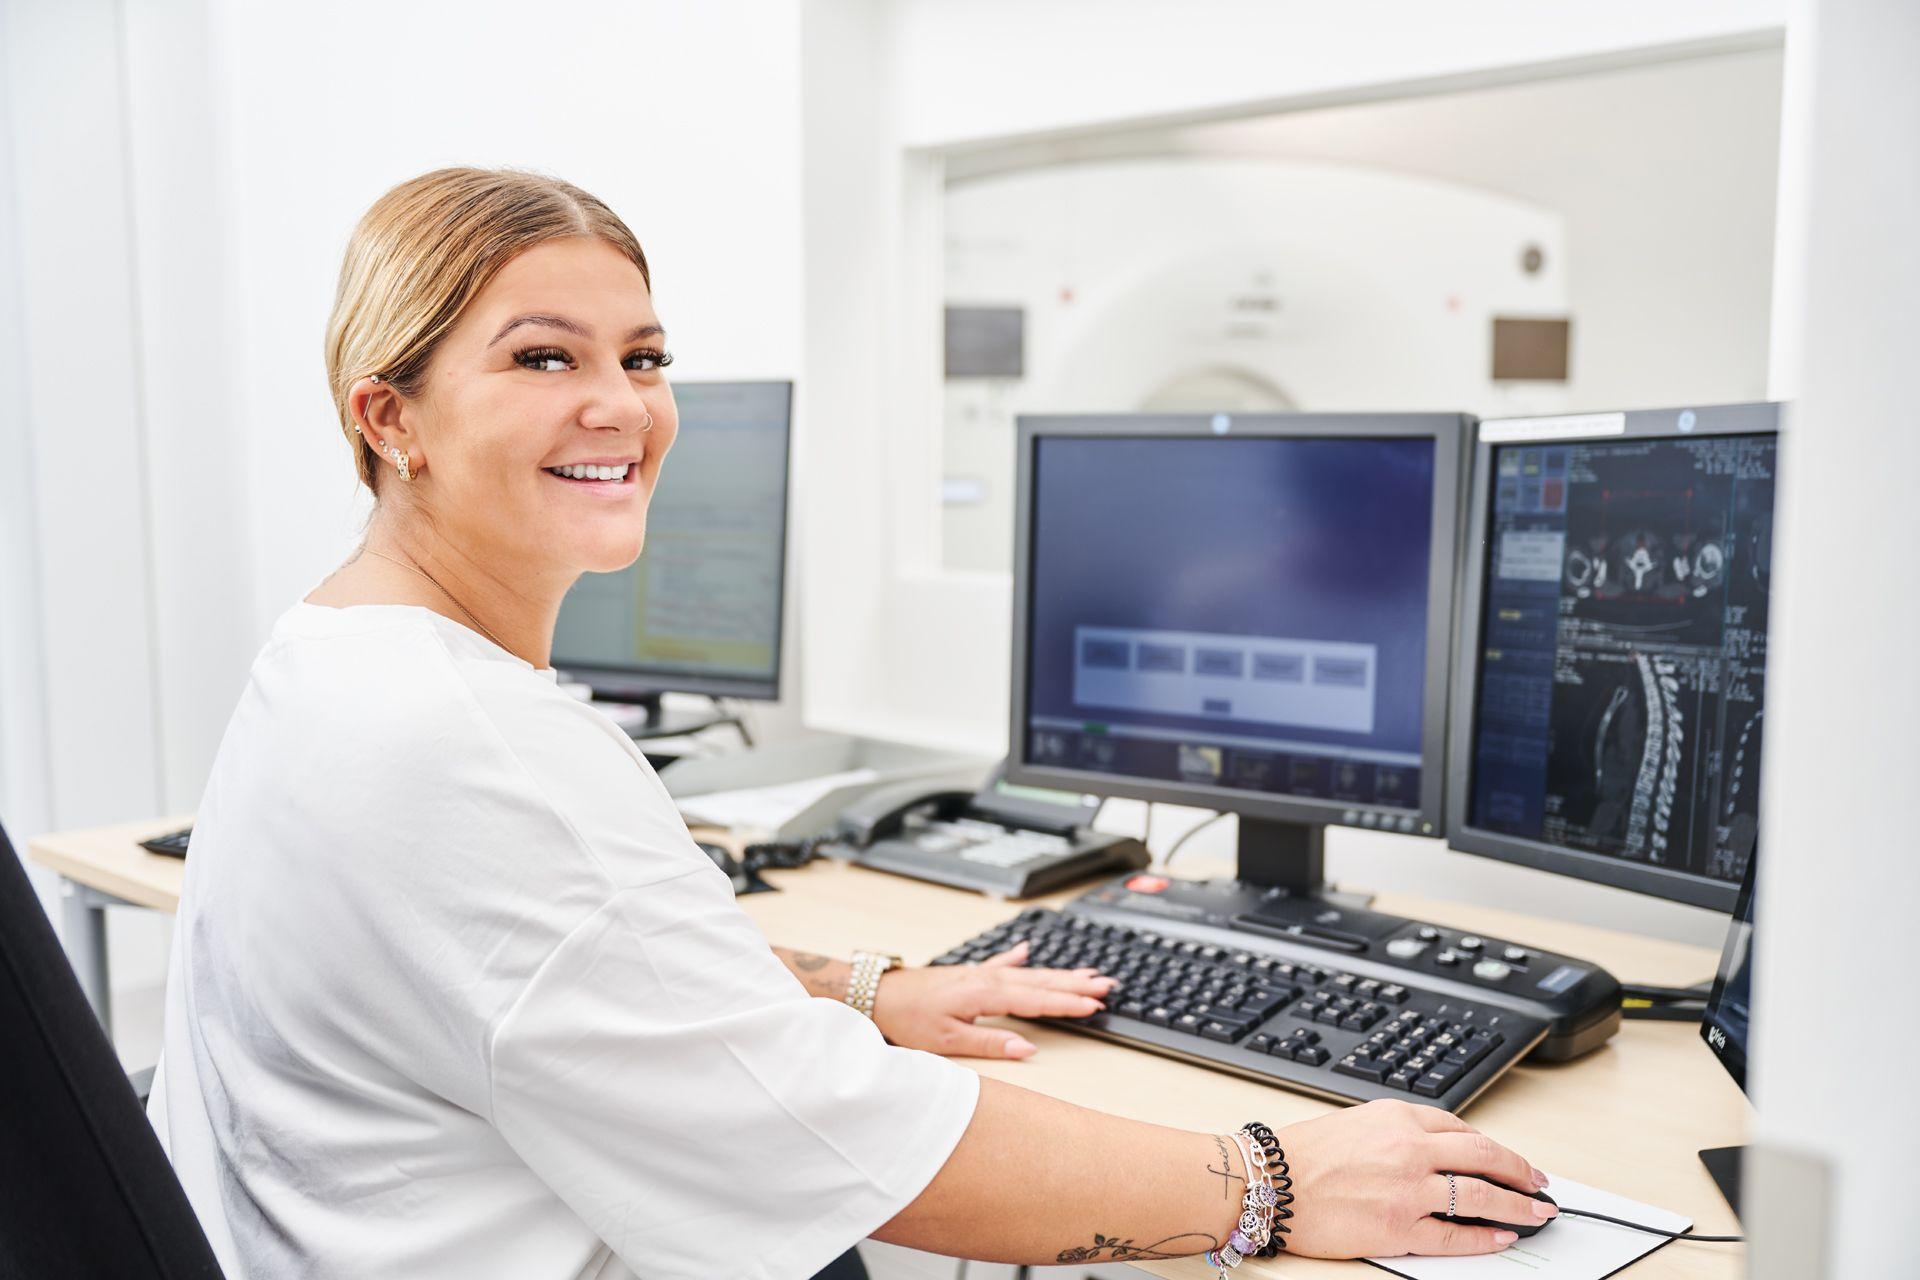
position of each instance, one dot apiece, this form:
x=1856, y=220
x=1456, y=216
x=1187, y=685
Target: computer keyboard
x=1266, y=1010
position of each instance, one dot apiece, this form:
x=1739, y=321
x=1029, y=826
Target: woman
x=453, y=993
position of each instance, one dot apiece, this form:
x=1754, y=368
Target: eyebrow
x=574, y=327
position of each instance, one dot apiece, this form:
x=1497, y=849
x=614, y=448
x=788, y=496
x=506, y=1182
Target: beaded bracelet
x=1251, y=1236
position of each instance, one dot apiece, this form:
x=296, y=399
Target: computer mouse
x=724, y=859
x=1523, y=1230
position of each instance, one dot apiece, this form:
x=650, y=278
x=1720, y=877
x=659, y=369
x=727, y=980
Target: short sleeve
x=666, y=1076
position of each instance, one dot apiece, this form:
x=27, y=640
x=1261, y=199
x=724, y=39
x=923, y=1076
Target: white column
x=1832, y=1170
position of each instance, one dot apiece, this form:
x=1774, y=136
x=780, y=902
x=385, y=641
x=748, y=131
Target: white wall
x=1838, y=877
x=993, y=69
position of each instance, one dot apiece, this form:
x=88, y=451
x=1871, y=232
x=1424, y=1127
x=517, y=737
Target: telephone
x=1004, y=841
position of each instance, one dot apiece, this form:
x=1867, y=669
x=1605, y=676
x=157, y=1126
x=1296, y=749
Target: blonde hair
x=423, y=251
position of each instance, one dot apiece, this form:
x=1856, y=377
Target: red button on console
x=1148, y=884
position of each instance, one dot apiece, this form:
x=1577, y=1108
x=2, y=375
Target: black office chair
x=88, y=1191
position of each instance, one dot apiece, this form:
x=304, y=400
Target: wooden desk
x=1628, y=1117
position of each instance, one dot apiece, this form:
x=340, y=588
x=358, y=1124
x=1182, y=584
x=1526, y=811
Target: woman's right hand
x=1366, y=1182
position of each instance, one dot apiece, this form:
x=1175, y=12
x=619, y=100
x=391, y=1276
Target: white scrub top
x=454, y=994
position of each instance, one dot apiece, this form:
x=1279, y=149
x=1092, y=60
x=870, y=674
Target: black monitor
x=1248, y=612
x=700, y=610
x=1612, y=650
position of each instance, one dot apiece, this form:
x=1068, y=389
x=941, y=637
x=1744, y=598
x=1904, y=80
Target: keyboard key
x=1260, y=1043
x=1189, y=1023
x=1402, y=1078
x=1328, y=1014
x=1225, y=1032
x=1432, y=1084
x=1394, y=995
x=1360, y=1068
x=1313, y=1056
x=1131, y=1009
x=1162, y=1015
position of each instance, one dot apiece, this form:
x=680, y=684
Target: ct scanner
x=1229, y=283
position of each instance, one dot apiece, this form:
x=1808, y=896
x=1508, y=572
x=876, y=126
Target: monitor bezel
x=639, y=680
x=1448, y=431
x=1756, y=418
x=1733, y=1056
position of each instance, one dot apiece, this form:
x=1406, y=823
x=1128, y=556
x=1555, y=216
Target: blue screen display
x=1245, y=613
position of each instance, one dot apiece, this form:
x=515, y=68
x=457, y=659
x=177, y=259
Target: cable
x=1653, y=1231
x=1697, y=993
x=1189, y=834
x=1641, y=1011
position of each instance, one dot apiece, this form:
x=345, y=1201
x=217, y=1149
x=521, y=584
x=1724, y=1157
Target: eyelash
x=532, y=357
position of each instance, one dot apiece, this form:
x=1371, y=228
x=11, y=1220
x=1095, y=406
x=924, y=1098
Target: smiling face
x=544, y=386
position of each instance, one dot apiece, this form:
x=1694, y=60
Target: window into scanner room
x=1542, y=247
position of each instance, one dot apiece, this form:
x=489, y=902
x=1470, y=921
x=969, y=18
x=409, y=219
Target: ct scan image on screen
x=1624, y=646
x=1246, y=613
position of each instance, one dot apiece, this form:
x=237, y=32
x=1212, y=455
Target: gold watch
x=864, y=983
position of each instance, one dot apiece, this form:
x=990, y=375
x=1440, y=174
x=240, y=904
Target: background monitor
x=1247, y=613
x=700, y=610
x=1608, y=702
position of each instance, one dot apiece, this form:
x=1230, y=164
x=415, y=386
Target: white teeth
x=583, y=472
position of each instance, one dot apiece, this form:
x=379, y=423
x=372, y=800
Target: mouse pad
x=1565, y=1249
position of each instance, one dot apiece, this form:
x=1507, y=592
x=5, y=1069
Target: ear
x=380, y=412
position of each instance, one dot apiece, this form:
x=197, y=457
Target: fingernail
x=1505, y=1238
x=1539, y=1180
x=1541, y=1209
x=1110, y=983
x=1021, y=1048
x=1099, y=1006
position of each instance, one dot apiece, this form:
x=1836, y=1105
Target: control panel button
x=1470, y=944
x=1148, y=884
x=1517, y=955
x=1429, y=934
x=1447, y=957
x=1492, y=970
x=1405, y=948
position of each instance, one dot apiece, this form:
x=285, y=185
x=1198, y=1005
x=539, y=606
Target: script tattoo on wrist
x=1114, y=1249
x=1226, y=1174
x=809, y=962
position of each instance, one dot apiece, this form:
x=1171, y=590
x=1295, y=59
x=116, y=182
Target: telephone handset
x=883, y=811
x=1003, y=840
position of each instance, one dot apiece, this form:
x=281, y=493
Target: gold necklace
x=415, y=568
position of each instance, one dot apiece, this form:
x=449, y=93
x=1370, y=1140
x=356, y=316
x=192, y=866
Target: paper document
x=765, y=808
x=1567, y=1248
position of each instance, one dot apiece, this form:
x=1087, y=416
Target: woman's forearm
x=1037, y=1180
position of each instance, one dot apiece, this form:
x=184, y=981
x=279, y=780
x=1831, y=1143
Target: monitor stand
x=1724, y=1164
x=661, y=723
x=1291, y=857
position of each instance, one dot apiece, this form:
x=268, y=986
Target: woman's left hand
x=934, y=1008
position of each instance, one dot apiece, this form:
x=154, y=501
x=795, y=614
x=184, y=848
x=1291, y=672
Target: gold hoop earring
x=400, y=460
x=649, y=425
